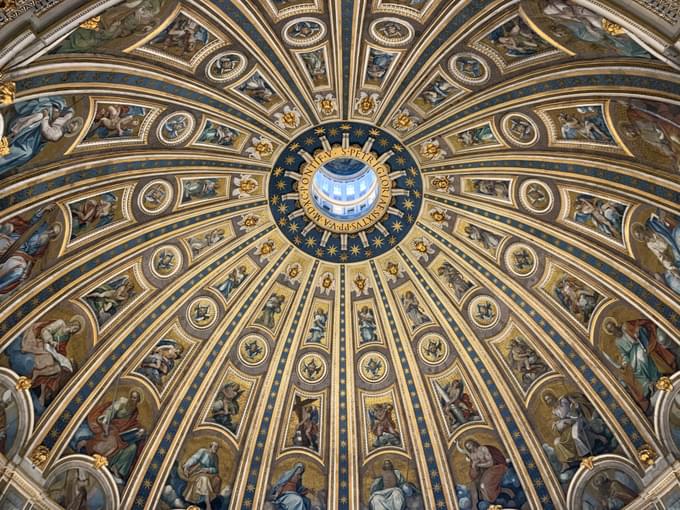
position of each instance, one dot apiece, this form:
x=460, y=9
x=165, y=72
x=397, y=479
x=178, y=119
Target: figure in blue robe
x=289, y=493
x=36, y=122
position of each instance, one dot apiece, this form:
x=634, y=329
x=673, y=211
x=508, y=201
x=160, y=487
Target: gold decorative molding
x=39, y=456
x=7, y=92
x=587, y=462
x=23, y=383
x=92, y=23
x=647, y=455
x=664, y=384
x=99, y=461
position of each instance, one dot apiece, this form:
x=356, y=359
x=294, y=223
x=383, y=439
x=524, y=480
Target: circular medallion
x=176, y=128
x=391, y=32
x=469, y=68
x=521, y=259
x=155, y=197
x=520, y=129
x=536, y=196
x=226, y=66
x=373, y=367
x=433, y=349
x=483, y=311
x=345, y=192
x=202, y=312
x=303, y=32
x=253, y=350
x=166, y=261
x=312, y=368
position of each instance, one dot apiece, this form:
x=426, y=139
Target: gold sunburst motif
x=23, y=383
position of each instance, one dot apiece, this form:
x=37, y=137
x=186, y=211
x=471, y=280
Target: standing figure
x=307, y=431
x=270, y=310
x=199, y=189
x=22, y=245
x=107, y=299
x=203, y=479
x=233, y=281
x=289, y=493
x=93, y=212
x=317, y=332
x=41, y=355
x=226, y=405
x=488, y=240
x=456, y=403
x=158, y=364
x=526, y=361
x=383, y=425
x=413, y=310
x=390, y=490
x=487, y=469
x=208, y=240
x=112, y=429
x=648, y=351
x=577, y=298
x=605, y=216
x=572, y=416
x=367, y=325
x=454, y=278
x=662, y=237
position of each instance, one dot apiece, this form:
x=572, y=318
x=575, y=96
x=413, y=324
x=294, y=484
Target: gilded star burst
x=343, y=257
x=283, y=222
x=333, y=131
x=412, y=170
x=359, y=132
x=297, y=240
x=275, y=199
x=374, y=132
x=401, y=160
x=355, y=250
x=289, y=160
x=311, y=241
x=397, y=226
x=278, y=171
x=408, y=204
x=397, y=148
x=320, y=131
x=309, y=141
x=332, y=250
x=293, y=227
x=378, y=242
x=345, y=127
x=283, y=208
x=392, y=240
x=294, y=146
x=410, y=182
x=280, y=185
x=319, y=252
x=383, y=142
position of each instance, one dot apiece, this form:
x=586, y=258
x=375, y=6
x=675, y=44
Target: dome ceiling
x=479, y=311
